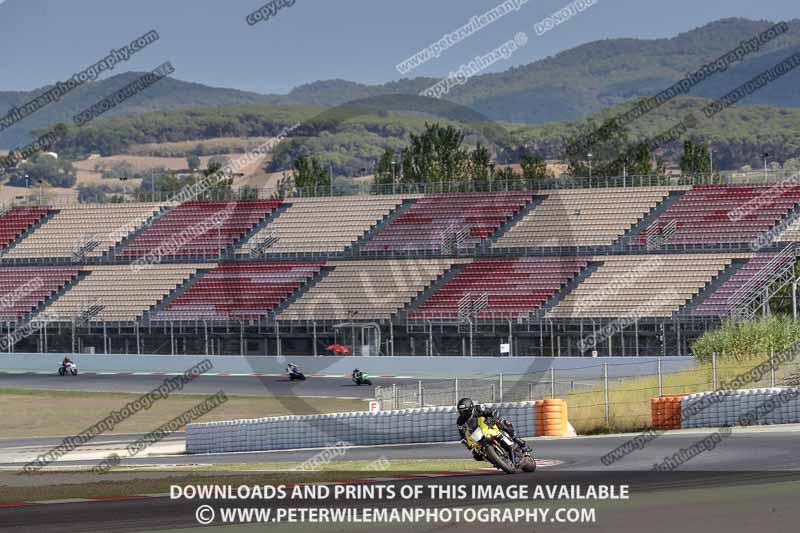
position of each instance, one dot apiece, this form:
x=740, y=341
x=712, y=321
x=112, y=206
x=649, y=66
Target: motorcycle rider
x=66, y=361
x=291, y=368
x=357, y=375
x=468, y=414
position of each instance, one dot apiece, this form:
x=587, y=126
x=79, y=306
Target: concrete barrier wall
x=423, y=367
x=741, y=408
x=431, y=424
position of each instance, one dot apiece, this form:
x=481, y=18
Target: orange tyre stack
x=665, y=411
x=551, y=418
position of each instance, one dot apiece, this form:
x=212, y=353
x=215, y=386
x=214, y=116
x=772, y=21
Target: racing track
x=739, y=486
x=747, y=449
x=331, y=387
x=751, y=478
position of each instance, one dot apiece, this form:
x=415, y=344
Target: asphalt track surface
x=768, y=448
x=332, y=387
x=749, y=482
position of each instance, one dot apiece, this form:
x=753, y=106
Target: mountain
x=568, y=86
x=167, y=93
x=596, y=75
x=738, y=135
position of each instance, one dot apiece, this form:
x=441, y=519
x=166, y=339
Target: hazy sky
x=210, y=42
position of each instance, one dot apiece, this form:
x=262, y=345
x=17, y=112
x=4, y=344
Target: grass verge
x=629, y=398
x=42, y=413
x=63, y=484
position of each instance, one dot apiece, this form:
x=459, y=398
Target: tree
x=43, y=168
x=284, y=186
x=310, y=174
x=436, y=155
x=219, y=160
x=533, y=167
x=118, y=170
x=91, y=194
x=166, y=185
x=194, y=162
x=480, y=161
x=218, y=185
x=608, y=146
x=385, y=171
x=695, y=158
x=506, y=174
x=638, y=161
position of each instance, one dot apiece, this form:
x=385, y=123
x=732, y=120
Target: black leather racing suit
x=469, y=421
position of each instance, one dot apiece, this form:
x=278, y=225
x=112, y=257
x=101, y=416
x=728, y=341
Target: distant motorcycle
x=362, y=379
x=69, y=368
x=296, y=373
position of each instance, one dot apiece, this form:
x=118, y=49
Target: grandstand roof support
x=241, y=338
x=391, y=339
x=315, y=338
x=510, y=338
x=278, y=338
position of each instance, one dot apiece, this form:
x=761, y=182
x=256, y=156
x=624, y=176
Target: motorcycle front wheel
x=500, y=460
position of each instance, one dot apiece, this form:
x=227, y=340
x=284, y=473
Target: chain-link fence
x=602, y=395
x=500, y=388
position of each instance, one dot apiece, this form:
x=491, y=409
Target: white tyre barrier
x=429, y=424
x=741, y=407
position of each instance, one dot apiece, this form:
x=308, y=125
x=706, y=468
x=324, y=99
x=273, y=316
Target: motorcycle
x=69, y=368
x=296, y=373
x=362, y=379
x=496, y=446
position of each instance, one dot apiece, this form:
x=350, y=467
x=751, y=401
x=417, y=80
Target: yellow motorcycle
x=496, y=446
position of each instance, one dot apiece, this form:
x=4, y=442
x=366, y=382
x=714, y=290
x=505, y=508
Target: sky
x=211, y=42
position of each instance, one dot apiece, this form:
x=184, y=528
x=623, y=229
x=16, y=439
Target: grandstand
x=512, y=287
x=119, y=293
x=635, y=285
x=435, y=222
x=200, y=229
x=450, y=273
x=85, y=231
x=587, y=217
x=239, y=291
x=373, y=290
x=724, y=214
x=24, y=289
x=18, y=220
x=321, y=225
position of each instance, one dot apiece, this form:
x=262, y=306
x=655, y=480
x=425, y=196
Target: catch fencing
x=501, y=388
x=600, y=395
